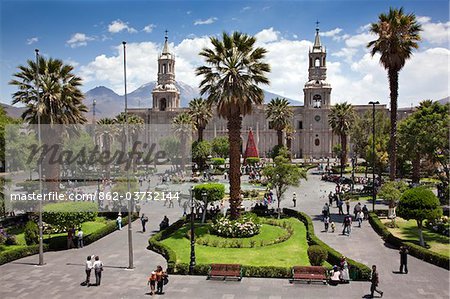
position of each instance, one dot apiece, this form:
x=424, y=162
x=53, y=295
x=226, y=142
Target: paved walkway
x=64, y=270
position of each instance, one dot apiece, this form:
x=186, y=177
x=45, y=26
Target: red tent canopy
x=251, y=150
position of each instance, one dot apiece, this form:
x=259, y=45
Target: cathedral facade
x=313, y=137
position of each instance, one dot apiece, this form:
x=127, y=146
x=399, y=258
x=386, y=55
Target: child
x=333, y=227
x=152, y=282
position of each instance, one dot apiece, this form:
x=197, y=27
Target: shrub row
x=414, y=249
x=247, y=271
x=18, y=253
x=359, y=270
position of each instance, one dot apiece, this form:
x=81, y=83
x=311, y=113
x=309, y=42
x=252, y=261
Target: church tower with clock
x=317, y=141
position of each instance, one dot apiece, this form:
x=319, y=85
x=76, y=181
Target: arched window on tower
x=317, y=101
x=164, y=68
x=317, y=62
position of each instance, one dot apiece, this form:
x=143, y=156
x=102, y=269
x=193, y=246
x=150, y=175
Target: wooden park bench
x=225, y=271
x=309, y=274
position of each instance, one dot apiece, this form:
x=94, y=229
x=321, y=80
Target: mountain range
x=109, y=103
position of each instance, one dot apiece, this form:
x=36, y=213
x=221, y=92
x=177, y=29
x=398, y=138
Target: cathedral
x=313, y=137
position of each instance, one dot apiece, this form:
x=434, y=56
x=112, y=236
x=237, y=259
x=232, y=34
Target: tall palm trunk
x=416, y=169
x=280, y=137
x=200, y=133
x=393, y=86
x=234, y=137
x=343, y=152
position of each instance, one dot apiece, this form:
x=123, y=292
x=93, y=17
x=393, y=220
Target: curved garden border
x=414, y=250
x=358, y=271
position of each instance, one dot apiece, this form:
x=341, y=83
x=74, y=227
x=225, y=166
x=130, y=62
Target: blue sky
x=88, y=34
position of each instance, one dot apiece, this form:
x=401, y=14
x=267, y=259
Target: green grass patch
x=408, y=231
x=285, y=254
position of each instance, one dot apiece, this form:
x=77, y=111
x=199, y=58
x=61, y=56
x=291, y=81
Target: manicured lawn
x=88, y=228
x=407, y=230
x=289, y=253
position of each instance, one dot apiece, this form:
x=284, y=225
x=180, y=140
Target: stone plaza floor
x=64, y=270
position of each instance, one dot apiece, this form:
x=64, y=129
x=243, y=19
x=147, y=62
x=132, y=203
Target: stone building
x=313, y=137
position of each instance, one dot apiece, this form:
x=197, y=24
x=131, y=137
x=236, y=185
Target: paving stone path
x=64, y=270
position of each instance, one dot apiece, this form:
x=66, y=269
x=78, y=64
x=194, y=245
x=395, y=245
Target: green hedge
x=18, y=253
x=414, y=249
x=218, y=161
x=359, y=271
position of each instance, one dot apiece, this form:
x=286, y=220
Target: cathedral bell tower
x=166, y=95
x=317, y=91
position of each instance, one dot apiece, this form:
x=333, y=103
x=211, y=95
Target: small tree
x=221, y=146
x=214, y=192
x=419, y=204
x=200, y=152
x=282, y=175
x=392, y=191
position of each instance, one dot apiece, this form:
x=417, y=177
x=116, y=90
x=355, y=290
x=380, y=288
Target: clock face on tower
x=317, y=117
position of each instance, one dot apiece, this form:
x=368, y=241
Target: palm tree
x=234, y=68
x=61, y=102
x=182, y=124
x=106, y=131
x=340, y=118
x=398, y=34
x=135, y=126
x=200, y=111
x=289, y=130
x=280, y=115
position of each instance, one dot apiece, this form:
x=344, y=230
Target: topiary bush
x=252, y=160
x=317, y=255
x=31, y=233
x=218, y=161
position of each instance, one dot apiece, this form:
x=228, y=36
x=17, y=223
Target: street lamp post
x=130, y=202
x=373, y=153
x=192, y=261
x=41, y=234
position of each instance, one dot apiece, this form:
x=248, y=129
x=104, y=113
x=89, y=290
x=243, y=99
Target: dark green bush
x=66, y=215
x=214, y=191
x=17, y=253
x=2, y=239
x=252, y=160
x=31, y=233
x=317, y=255
x=11, y=240
x=218, y=161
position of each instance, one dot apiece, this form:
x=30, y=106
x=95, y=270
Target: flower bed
x=244, y=227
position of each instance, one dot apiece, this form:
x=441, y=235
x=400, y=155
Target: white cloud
x=359, y=40
x=245, y=8
x=32, y=40
x=434, y=33
x=206, y=22
x=331, y=33
x=265, y=8
x=357, y=81
x=295, y=36
x=188, y=12
x=149, y=28
x=79, y=40
x=118, y=26
x=267, y=35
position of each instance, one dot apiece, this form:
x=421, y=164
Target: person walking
x=403, y=259
x=326, y=222
x=80, y=238
x=345, y=276
x=144, y=220
x=359, y=217
x=375, y=280
x=330, y=198
x=294, y=199
x=161, y=276
x=88, y=269
x=152, y=282
x=357, y=209
x=119, y=221
x=340, y=204
x=365, y=211
x=185, y=207
x=98, y=269
x=70, y=236
x=347, y=204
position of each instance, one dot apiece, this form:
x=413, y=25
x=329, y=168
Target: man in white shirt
x=98, y=268
x=80, y=238
x=89, y=266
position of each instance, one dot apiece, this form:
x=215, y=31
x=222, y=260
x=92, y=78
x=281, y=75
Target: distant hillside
x=15, y=112
x=444, y=100
x=109, y=103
